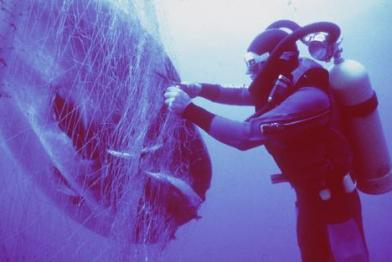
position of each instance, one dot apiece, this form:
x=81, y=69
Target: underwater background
x=51, y=208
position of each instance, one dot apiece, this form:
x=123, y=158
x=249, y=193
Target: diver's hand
x=192, y=89
x=176, y=99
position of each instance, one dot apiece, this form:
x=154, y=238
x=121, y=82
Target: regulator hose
x=257, y=88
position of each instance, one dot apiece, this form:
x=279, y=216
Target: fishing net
x=84, y=130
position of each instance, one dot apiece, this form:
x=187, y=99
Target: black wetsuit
x=301, y=134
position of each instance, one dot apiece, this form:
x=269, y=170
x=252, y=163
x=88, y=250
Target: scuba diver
x=296, y=120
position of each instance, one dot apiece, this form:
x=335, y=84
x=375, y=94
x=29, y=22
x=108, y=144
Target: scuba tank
x=356, y=101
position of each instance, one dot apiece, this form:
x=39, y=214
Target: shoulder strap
x=310, y=73
x=307, y=73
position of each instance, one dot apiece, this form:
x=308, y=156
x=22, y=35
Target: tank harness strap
x=363, y=108
x=299, y=77
x=310, y=73
x=305, y=65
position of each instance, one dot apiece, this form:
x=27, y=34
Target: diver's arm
x=237, y=134
x=219, y=93
x=307, y=108
x=227, y=95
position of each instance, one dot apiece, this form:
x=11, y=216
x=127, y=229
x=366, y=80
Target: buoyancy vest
x=318, y=156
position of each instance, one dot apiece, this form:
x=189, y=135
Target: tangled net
x=82, y=87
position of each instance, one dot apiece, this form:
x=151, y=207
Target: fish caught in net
x=82, y=117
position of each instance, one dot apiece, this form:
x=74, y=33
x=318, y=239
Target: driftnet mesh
x=82, y=117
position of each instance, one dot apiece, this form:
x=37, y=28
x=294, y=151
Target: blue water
x=244, y=217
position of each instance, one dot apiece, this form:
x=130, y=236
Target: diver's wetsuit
x=299, y=133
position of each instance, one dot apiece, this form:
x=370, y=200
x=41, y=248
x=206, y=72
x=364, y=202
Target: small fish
x=119, y=154
x=181, y=185
x=130, y=155
x=151, y=149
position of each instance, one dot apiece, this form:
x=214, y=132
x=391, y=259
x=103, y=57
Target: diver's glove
x=176, y=99
x=192, y=89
